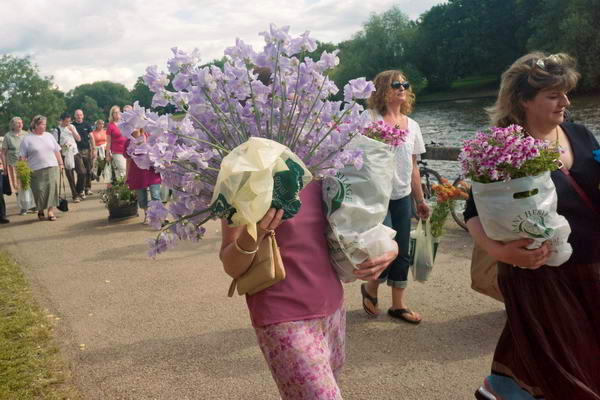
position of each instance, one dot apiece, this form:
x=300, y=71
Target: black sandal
x=400, y=313
x=41, y=216
x=367, y=296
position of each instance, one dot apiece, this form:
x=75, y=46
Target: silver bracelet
x=238, y=248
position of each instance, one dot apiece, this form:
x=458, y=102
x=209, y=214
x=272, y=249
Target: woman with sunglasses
x=550, y=345
x=391, y=102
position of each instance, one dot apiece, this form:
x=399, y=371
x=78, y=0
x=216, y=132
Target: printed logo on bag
x=336, y=191
x=532, y=222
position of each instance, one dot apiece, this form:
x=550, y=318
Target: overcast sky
x=82, y=41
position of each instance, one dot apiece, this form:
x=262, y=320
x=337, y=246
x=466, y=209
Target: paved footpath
x=136, y=328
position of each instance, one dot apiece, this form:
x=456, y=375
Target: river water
x=450, y=122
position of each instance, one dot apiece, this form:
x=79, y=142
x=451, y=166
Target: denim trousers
x=398, y=218
x=142, y=195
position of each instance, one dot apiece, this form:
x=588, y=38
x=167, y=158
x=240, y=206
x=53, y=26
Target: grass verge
x=30, y=364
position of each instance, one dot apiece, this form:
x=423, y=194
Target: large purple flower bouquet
x=512, y=188
x=218, y=110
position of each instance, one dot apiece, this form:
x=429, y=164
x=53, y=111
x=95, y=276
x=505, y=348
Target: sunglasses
x=397, y=85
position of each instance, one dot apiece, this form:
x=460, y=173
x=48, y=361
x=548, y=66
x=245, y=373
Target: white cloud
x=81, y=41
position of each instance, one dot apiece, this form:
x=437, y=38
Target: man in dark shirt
x=86, y=148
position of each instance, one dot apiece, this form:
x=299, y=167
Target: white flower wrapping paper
x=356, y=203
x=507, y=218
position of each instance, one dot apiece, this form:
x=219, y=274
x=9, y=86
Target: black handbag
x=6, y=185
x=63, y=203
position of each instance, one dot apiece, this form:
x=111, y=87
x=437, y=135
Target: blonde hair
x=99, y=122
x=111, y=112
x=13, y=123
x=525, y=78
x=35, y=121
x=383, y=81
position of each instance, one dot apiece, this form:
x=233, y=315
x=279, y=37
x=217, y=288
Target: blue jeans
x=398, y=218
x=142, y=195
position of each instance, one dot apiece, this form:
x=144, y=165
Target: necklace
x=557, y=142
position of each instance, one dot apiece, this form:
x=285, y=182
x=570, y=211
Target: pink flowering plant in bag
x=218, y=110
x=498, y=154
x=513, y=190
x=385, y=133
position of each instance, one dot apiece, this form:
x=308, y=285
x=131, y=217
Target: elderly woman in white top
x=42, y=154
x=10, y=156
x=391, y=102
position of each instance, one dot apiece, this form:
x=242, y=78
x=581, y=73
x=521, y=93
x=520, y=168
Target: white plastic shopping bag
x=25, y=200
x=424, y=256
x=524, y=208
x=356, y=203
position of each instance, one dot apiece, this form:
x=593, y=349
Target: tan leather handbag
x=265, y=270
x=484, y=274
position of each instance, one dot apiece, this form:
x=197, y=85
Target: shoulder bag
x=265, y=270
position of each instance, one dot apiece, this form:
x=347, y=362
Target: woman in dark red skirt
x=550, y=346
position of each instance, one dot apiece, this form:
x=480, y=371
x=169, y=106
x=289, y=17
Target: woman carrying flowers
x=391, y=102
x=244, y=146
x=550, y=346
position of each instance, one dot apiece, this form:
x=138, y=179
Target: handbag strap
x=582, y=194
x=61, y=184
x=233, y=285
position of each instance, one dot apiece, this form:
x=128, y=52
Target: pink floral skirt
x=305, y=357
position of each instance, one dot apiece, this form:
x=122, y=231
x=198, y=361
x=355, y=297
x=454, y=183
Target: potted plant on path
x=120, y=201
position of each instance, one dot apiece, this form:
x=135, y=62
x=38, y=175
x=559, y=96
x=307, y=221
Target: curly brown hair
x=525, y=78
x=383, y=81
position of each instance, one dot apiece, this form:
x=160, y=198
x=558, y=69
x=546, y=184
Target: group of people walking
x=74, y=151
x=550, y=347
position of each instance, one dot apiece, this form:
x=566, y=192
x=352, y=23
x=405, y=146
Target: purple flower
x=218, y=109
x=358, y=89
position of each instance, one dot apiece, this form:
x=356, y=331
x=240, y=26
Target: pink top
x=138, y=178
x=117, y=141
x=311, y=288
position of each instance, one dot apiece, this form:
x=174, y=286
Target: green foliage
x=24, y=93
x=105, y=93
x=23, y=173
x=30, y=364
x=141, y=93
x=383, y=44
x=118, y=195
x=439, y=215
x=571, y=27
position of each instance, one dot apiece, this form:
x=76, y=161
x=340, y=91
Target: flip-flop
x=41, y=216
x=367, y=296
x=400, y=313
x=51, y=217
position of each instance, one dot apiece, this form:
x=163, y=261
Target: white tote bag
x=524, y=208
x=424, y=257
x=356, y=203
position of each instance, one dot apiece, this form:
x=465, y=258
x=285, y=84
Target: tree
x=141, y=93
x=467, y=37
x=105, y=93
x=382, y=44
x=91, y=110
x=24, y=93
x=571, y=27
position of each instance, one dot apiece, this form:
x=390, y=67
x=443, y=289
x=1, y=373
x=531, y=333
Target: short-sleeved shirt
x=413, y=145
x=311, y=288
x=99, y=137
x=65, y=139
x=84, y=129
x=11, y=144
x=117, y=141
x=38, y=151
